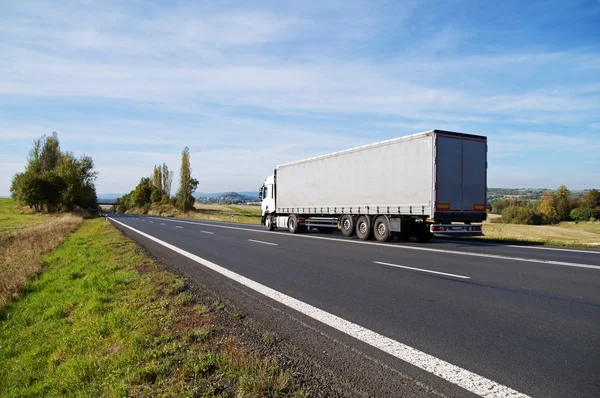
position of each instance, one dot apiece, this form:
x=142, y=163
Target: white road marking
x=359, y=242
x=177, y=226
x=162, y=223
x=466, y=379
x=264, y=243
x=484, y=243
x=152, y=222
x=207, y=232
x=423, y=270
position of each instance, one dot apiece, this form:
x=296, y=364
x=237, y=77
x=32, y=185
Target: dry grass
x=585, y=234
x=20, y=251
x=226, y=213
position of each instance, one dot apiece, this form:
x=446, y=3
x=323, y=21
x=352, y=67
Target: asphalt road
x=527, y=318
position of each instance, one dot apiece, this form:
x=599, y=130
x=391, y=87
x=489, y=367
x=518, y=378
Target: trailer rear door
x=461, y=170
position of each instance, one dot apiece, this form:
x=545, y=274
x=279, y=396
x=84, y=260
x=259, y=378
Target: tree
x=38, y=190
x=142, y=194
x=591, y=199
x=547, y=207
x=80, y=177
x=157, y=182
x=54, y=179
x=167, y=177
x=563, y=208
x=187, y=186
x=50, y=154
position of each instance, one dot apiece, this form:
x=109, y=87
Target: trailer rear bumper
x=456, y=229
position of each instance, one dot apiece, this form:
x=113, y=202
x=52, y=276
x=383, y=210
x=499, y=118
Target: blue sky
x=248, y=85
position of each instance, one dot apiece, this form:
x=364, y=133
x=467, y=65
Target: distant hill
x=214, y=195
x=494, y=194
x=227, y=197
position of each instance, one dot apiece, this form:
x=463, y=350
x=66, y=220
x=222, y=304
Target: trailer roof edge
x=380, y=143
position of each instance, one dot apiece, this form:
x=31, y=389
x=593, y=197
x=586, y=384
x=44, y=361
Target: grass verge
x=21, y=250
x=103, y=320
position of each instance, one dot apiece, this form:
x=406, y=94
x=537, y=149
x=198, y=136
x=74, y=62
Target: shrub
x=521, y=215
x=582, y=214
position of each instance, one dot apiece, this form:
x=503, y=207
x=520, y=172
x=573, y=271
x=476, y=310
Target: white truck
x=419, y=185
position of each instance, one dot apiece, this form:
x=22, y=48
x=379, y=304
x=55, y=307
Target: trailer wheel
x=363, y=228
x=347, y=225
x=293, y=223
x=381, y=229
x=269, y=222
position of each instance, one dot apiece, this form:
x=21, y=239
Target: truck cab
x=267, y=196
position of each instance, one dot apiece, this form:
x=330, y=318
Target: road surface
x=444, y=318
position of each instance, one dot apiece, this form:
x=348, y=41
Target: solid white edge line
x=529, y=260
x=264, y=243
x=423, y=270
x=484, y=243
x=461, y=377
x=207, y=232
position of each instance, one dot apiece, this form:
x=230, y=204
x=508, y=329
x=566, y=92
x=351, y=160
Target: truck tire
x=363, y=228
x=381, y=229
x=293, y=224
x=269, y=223
x=347, y=225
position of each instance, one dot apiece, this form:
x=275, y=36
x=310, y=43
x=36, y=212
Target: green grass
x=12, y=217
x=103, y=320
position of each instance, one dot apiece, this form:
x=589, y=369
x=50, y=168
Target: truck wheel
x=347, y=225
x=381, y=229
x=292, y=224
x=269, y=223
x=363, y=228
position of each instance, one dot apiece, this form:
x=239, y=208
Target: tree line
x=551, y=208
x=55, y=180
x=157, y=189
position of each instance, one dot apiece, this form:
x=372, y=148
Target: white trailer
x=419, y=185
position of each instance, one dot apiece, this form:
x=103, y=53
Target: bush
x=521, y=215
x=582, y=214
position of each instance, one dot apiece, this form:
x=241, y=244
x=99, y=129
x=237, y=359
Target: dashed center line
x=162, y=223
x=177, y=226
x=207, y=232
x=423, y=270
x=264, y=243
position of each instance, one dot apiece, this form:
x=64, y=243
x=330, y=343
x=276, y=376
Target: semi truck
x=421, y=185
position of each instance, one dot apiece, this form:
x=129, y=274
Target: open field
x=12, y=217
x=211, y=212
x=583, y=234
x=103, y=320
x=230, y=213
